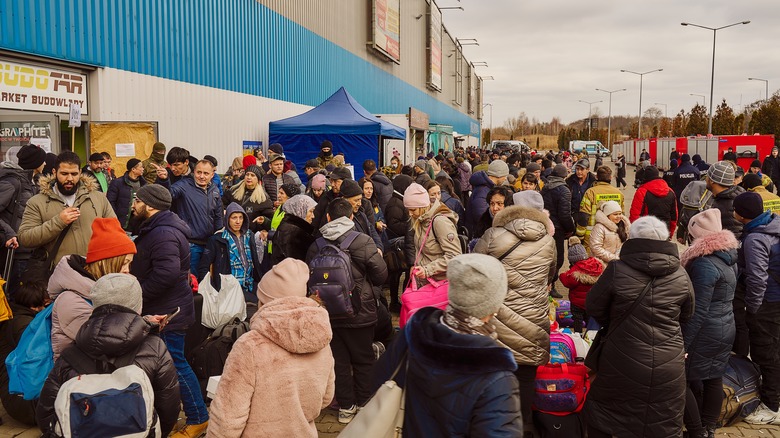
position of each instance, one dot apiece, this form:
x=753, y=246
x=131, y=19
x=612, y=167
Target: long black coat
x=113, y=331
x=120, y=195
x=292, y=239
x=557, y=200
x=640, y=387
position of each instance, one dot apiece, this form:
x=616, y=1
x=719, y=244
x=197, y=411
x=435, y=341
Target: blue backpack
x=31, y=361
x=330, y=277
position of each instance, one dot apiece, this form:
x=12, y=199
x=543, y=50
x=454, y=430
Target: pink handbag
x=433, y=294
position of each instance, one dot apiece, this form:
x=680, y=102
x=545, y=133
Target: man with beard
x=326, y=154
x=162, y=268
x=67, y=198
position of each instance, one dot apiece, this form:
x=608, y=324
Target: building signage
x=434, y=47
x=34, y=88
x=418, y=120
x=387, y=28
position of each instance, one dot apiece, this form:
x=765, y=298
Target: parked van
x=591, y=147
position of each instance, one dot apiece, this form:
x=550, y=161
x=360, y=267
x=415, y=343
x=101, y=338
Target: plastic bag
x=221, y=306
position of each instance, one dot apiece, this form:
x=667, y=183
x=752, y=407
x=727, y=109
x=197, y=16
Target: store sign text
x=35, y=88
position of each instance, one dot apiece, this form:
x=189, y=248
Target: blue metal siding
x=236, y=45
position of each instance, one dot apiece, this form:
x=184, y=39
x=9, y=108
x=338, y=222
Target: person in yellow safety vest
x=766, y=181
x=752, y=182
x=601, y=191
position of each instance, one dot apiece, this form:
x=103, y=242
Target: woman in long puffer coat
x=711, y=264
x=639, y=390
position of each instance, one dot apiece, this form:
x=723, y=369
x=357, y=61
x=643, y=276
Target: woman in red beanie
x=110, y=251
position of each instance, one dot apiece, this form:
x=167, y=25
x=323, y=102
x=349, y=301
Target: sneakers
x=763, y=415
x=346, y=415
x=192, y=431
x=379, y=350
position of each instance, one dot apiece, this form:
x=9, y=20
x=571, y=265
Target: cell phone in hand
x=170, y=316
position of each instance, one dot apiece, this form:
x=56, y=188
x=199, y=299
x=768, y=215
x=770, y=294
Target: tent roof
x=339, y=114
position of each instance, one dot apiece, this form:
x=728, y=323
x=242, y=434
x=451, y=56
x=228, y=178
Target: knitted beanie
x=350, y=188
x=722, y=173
x=249, y=160
x=498, y=169
x=749, y=205
x=118, y=289
x=751, y=180
x=704, y=223
x=560, y=170
x=478, y=284
x=610, y=207
x=318, y=182
x=131, y=163
x=528, y=199
x=649, y=227
x=257, y=170
x=415, y=196
x=155, y=196
x=577, y=251
x=422, y=164
x=287, y=278
x=108, y=240
x=30, y=157
x=290, y=190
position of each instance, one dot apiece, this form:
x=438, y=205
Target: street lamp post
x=703, y=99
x=590, y=105
x=712, y=77
x=641, y=77
x=609, y=123
x=766, y=84
x=490, y=130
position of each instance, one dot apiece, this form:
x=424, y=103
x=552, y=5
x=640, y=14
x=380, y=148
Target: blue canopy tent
x=342, y=120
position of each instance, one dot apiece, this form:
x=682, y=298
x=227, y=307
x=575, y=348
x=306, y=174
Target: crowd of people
x=115, y=252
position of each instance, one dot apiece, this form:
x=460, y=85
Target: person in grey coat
x=710, y=262
x=639, y=390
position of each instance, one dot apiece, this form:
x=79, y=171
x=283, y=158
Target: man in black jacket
x=557, y=200
x=382, y=185
x=684, y=174
x=720, y=181
x=353, y=337
x=771, y=167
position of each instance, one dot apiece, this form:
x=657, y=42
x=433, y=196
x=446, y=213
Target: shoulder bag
x=39, y=267
x=594, y=353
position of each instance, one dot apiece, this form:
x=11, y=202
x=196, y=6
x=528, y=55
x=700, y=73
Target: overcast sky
x=545, y=55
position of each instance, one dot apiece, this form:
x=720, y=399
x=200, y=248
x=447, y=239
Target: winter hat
x=751, y=180
x=673, y=164
x=211, y=159
x=290, y=190
x=533, y=167
x=275, y=157
x=415, y=196
x=749, y=205
x=350, y=188
x=704, y=223
x=422, y=164
x=528, y=199
x=30, y=157
x=650, y=173
x=299, y=205
x=108, y=240
x=584, y=163
x=560, y=170
x=577, y=252
x=685, y=158
x=340, y=173
x=722, y=173
x=610, y=207
x=478, y=284
x=287, y=278
x=756, y=163
x=326, y=144
x=118, y=289
x=131, y=163
x=276, y=148
x=155, y=196
x=313, y=164
x=649, y=227
x=696, y=159
x=257, y=170
x=249, y=160
x=498, y=169
x=318, y=182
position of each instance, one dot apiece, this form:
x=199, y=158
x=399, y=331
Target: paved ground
x=328, y=426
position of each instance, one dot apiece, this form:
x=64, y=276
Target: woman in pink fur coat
x=279, y=375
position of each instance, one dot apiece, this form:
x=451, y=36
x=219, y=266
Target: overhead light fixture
x=451, y=7
x=486, y=78
x=467, y=41
x=479, y=64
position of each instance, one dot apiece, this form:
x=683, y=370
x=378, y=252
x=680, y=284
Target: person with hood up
x=684, y=174
x=522, y=237
x=353, y=337
x=435, y=234
x=158, y=159
x=114, y=329
x=232, y=251
x=459, y=381
x=583, y=273
x=283, y=361
x=721, y=183
x=121, y=192
x=609, y=233
x=655, y=198
x=481, y=183
x=251, y=196
x=110, y=251
x=699, y=163
x=557, y=201
x=326, y=154
x=711, y=263
x=633, y=396
x=620, y=165
x=295, y=233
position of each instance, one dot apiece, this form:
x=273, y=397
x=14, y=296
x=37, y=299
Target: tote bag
x=433, y=294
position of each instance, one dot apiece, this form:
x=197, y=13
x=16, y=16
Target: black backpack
x=330, y=277
x=208, y=359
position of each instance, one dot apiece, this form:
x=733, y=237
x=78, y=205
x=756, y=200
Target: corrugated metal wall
x=239, y=45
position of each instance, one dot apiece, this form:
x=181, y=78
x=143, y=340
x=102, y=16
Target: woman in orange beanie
x=110, y=251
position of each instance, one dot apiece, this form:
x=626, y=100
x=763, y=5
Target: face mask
x=394, y=165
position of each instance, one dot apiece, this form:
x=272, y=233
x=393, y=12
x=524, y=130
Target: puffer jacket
x=640, y=387
x=41, y=223
x=284, y=361
x=711, y=263
x=655, y=198
x=580, y=278
x=270, y=184
x=455, y=205
x=368, y=270
x=120, y=195
x=113, y=331
x=523, y=323
x=456, y=385
x=383, y=188
x=200, y=208
x=724, y=201
x=16, y=189
x=604, y=241
x=69, y=288
x=396, y=214
x=478, y=204
x=292, y=239
x=464, y=175
x=757, y=254
x=442, y=243
x=162, y=266
x=557, y=200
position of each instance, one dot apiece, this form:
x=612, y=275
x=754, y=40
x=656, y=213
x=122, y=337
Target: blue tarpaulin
x=342, y=120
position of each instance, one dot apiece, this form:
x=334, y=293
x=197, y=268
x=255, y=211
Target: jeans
x=765, y=351
x=195, y=252
x=191, y=397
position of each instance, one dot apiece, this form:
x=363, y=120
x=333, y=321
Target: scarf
x=240, y=253
x=461, y=322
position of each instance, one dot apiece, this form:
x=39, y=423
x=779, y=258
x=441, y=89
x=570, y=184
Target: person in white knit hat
x=609, y=232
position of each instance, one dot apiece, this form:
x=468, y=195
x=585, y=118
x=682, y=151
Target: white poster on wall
x=43, y=143
x=125, y=150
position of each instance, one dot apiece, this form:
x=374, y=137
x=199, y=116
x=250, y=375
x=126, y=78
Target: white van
x=591, y=147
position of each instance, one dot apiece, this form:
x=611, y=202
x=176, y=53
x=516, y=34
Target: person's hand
x=259, y=220
x=264, y=235
x=681, y=241
x=380, y=252
x=70, y=215
x=381, y=226
x=162, y=172
x=277, y=204
x=158, y=320
x=419, y=272
x=12, y=243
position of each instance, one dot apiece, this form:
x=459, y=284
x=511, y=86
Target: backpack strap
x=85, y=364
x=347, y=242
x=511, y=250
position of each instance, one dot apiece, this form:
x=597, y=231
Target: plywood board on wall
x=116, y=138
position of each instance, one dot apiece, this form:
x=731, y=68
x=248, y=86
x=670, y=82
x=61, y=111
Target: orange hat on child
x=108, y=240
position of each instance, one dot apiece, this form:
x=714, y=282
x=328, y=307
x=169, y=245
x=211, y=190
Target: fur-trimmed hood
x=296, y=324
x=588, y=271
x=721, y=241
x=87, y=184
x=602, y=219
x=525, y=223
